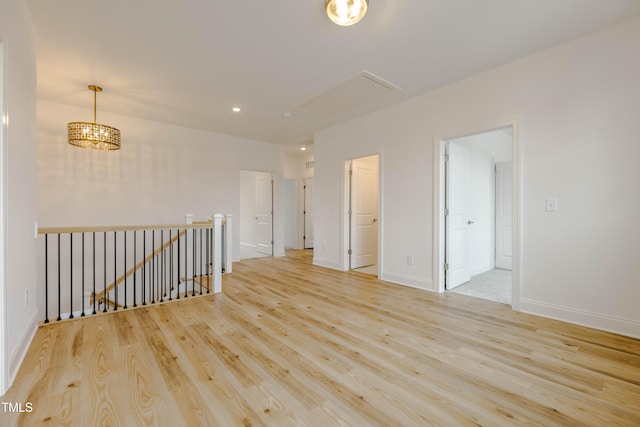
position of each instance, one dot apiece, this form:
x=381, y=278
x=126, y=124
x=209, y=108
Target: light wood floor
x=288, y=343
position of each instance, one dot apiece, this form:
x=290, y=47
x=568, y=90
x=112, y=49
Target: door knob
x=469, y=222
x=375, y=219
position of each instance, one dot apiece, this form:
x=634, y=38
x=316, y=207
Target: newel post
x=217, y=253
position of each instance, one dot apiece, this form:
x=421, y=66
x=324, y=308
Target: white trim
x=321, y=262
x=439, y=142
x=410, y=281
x=22, y=347
x=589, y=319
x=345, y=226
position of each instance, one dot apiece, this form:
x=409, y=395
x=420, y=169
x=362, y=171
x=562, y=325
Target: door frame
x=346, y=220
x=439, y=149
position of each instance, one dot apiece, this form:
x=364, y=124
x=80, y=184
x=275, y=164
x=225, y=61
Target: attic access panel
x=355, y=92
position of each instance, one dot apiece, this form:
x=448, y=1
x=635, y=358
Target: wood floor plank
x=291, y=344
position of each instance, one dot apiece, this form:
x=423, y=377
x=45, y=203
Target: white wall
x=495, y=144
x=161, y=173
x=577, y=107
x=294, y=164
x=18, y=182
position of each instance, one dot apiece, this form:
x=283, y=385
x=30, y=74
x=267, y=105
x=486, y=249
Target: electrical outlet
x=410, y=259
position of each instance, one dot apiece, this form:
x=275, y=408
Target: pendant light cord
x=94, y=105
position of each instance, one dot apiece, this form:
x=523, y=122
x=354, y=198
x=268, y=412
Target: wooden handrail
x=106, y=228
x=136, y=267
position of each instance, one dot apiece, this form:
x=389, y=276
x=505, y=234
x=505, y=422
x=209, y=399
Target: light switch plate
x=551, y=204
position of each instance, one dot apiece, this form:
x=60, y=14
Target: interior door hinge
x=446, y=265
x=446, y=157
x=349, y=252
x=446, y=211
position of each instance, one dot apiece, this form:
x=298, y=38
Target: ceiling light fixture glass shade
x=93, y=135
x=346, y=12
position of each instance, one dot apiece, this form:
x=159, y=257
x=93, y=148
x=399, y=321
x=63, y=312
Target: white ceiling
x=187, y=62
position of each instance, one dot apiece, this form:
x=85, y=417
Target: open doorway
x=256, y=214
x=478, y=210
x=362, y=214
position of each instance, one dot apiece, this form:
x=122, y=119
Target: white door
x=364, y=212
x=264, y=214
x=504, y=187
x=457, y=221
x=309, y=216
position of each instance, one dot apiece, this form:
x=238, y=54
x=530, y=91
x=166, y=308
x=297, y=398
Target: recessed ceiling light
x=236, y=109
x=303, y=148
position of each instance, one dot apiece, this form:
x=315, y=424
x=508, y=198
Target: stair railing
x=91, y=270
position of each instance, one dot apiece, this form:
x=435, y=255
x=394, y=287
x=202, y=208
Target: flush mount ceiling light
x=93, y=135
x=346, y=12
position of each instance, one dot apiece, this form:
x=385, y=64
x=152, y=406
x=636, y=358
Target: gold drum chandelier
x=346, y=12
x=93, y=135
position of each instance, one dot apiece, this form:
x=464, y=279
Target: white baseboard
x=320, y=262
x=19, y=353
x=411, y=281
x=616, y=325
